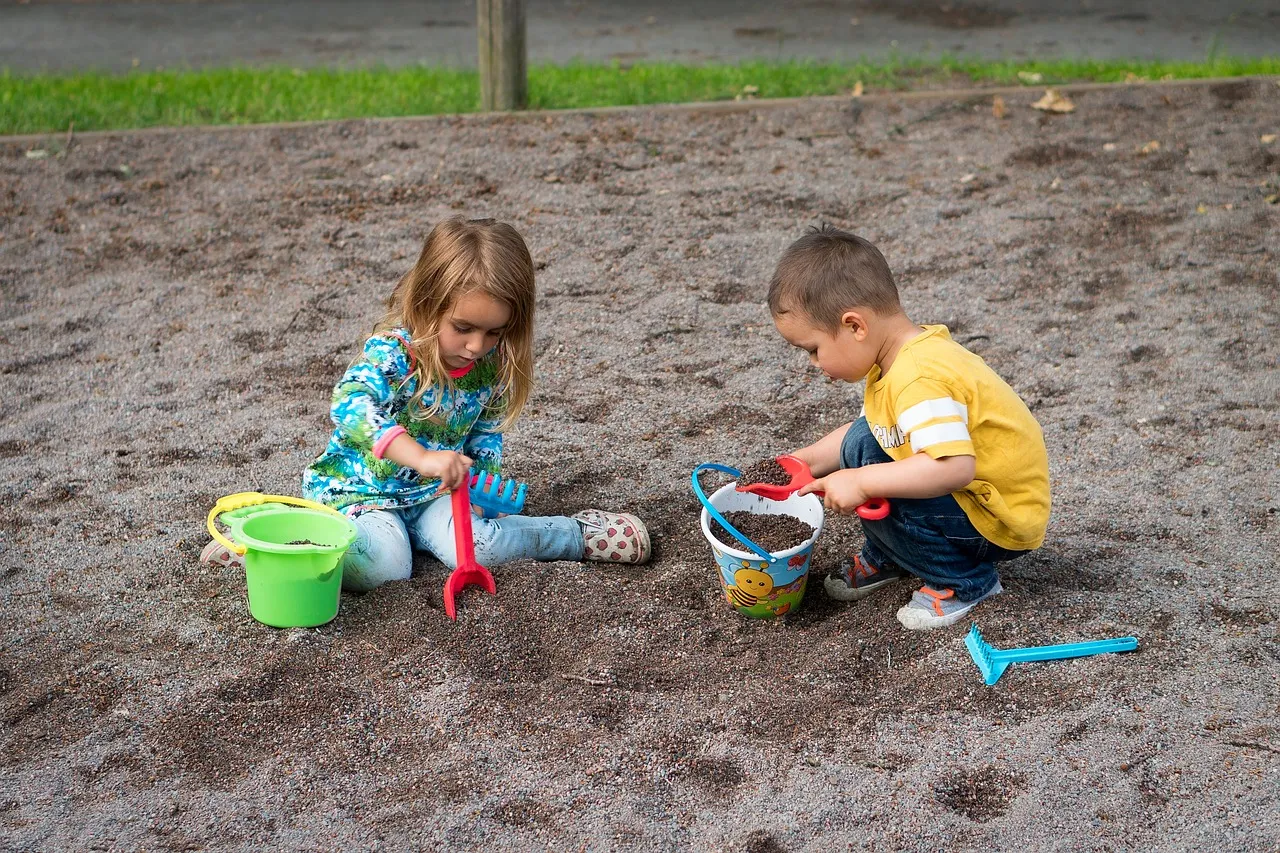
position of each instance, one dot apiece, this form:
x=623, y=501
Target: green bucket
x=292, y=559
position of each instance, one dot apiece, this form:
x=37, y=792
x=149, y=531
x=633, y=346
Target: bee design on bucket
x=749, y=586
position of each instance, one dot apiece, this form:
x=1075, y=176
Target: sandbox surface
x=178, y=305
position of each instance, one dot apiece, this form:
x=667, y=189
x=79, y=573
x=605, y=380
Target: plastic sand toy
x=756, y=582
x=468, y=572
x=292, y=551
x=992, y=662
x=497, y=496
x=873, y=510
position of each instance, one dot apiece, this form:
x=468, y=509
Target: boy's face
x=844, y=354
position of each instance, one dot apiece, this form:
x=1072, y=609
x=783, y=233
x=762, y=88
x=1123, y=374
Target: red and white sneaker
x=854, y=579
x=613, y=537
x=217, y=554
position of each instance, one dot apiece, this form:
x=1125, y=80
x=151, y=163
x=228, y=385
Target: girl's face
x=472, y=329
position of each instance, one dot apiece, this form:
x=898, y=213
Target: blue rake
x=497, y=496
x=992, y=662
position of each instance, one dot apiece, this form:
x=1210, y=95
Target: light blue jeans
x=386, y=539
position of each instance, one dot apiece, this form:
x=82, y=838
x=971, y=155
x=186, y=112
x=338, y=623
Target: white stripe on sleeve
x=938, y=434
x=941, y=407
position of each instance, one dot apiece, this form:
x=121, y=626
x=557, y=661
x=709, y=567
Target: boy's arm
x=933, y=418
x=917, y=476
x=823, y=456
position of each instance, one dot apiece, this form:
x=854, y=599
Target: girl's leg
x=380, y=552
x=499, y=540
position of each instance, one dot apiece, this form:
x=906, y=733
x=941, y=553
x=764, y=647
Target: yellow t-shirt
x=938, y=398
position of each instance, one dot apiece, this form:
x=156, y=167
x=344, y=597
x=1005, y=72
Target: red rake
x=873, y=510
x=469, y=572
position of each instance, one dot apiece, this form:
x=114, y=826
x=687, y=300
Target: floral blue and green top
x=371, y=407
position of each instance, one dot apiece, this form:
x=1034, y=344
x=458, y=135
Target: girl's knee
x=362, y=575
x=438, y=537
x=379, y=554
x=483, y=537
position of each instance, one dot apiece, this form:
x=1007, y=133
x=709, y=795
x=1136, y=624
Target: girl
x=446, y=371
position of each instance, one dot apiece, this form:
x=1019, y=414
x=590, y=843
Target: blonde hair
x=828, y=271
x=460, y=257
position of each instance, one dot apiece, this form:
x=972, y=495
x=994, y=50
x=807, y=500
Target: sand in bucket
x=755, y=587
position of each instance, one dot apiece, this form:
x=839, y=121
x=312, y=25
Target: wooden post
x=504, y=81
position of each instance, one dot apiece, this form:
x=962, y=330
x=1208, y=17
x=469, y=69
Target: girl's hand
x=844, y=491
x=449, y=467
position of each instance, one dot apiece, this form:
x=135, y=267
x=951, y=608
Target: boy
x=960, y=457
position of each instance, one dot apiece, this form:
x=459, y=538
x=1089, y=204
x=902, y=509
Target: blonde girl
x=445, y=372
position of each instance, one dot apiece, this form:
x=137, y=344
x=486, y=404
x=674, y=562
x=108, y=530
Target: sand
x=177, y=306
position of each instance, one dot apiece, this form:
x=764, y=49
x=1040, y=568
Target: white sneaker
x=938, y=608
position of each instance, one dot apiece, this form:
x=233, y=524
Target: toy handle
x=1071, y=650
x=715, y=513
x=801, y=476
x=462, y=540
x=874, y=509
x=241, y=500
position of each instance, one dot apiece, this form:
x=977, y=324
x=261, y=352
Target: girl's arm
x=362, y=412
x=447, y=466
x=918, y=476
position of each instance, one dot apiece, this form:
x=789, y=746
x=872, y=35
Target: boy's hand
x=844, y=492
x=448, y=466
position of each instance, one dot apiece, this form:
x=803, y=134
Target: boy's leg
x=498, y=540
x=931, y=538
x=872, y=569
x=935, y=541
x=860, y=447
x=380, y=552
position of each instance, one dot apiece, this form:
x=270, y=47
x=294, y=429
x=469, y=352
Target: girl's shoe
x=938, y=608
x=217, y=554
x=613, y=537
x=854, y=579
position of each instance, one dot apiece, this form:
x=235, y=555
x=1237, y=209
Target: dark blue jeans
x=931, y=538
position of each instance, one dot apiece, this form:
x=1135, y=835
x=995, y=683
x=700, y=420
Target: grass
x=40, y=103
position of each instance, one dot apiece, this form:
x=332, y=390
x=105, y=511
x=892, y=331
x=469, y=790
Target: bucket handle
x=240, y=500
x=715, y=513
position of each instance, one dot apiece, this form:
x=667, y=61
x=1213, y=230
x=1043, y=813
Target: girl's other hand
x=449, y=467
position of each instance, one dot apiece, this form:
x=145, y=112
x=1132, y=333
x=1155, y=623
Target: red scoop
x=469, y=572
x=873, y=510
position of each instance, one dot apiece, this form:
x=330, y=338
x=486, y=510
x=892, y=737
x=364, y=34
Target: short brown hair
x=828, y=271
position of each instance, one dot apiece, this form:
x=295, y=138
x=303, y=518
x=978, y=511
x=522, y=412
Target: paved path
x=114, y=35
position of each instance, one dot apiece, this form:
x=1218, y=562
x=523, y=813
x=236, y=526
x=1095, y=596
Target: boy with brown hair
x=960, y=457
